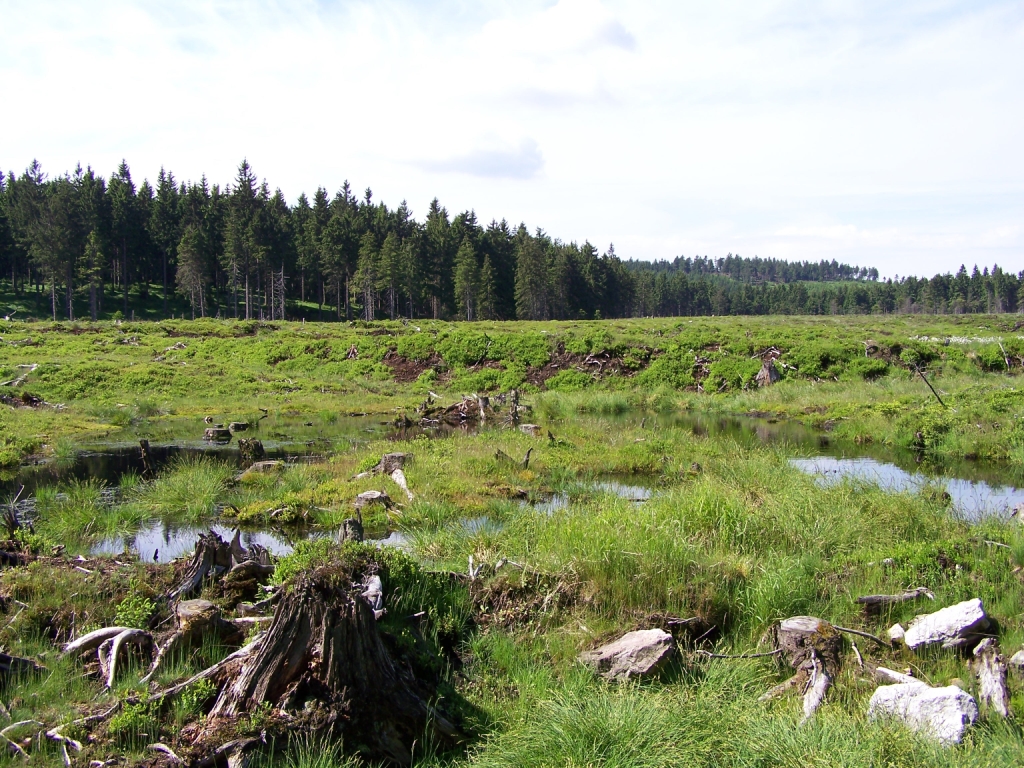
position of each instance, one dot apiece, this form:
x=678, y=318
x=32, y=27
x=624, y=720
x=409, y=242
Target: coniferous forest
x=96, y=247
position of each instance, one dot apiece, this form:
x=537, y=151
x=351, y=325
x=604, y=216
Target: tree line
x=243, y=251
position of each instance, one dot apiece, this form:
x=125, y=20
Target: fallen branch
x=93, y=639
x=110, y=650
x=866, y=635
x=209, y=672
x=873, y=604
x=711, y=655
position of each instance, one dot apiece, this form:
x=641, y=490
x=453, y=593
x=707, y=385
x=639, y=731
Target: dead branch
x=874, y=604
x=110, y=650
x=865, y=635
x=93, y=639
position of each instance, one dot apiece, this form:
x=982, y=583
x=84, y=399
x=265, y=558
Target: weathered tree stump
x=323, y=660
x=147, y=464
x=251, y=450
x=212, y=555
x=768, y=374
x=194, y=619
x=812, y=647
x=351, y=530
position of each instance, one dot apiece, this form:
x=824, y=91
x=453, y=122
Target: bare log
x=990, y=669
x=874, y=604
x=323, y=650
x=884, y=675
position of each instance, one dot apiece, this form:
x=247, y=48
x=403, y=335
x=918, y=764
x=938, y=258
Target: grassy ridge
x=854, y=374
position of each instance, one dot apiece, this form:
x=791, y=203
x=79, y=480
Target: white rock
x=896, y=633
x=1017, y=661
x=954, y=626
x=940, y=713
x=633, y=655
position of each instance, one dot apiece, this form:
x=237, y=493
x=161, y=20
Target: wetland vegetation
x=658, y=490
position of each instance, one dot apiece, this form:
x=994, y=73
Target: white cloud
x=878, y=133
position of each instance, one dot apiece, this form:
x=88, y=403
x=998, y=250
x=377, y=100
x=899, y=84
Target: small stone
x=530, y=429
x=635, y=654
x=1017, y=661
x=238, y=426
x=955, y=626
x=896, y=633
x=940, y=713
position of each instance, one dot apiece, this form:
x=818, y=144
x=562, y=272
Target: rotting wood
x=504, y=458
x=194, y=619
x=350, y=678
x=367, y=498
x=212, y=555
x=92, y=640
x=875, y=604
x=812, y=647
x=388, y=463
x=250, y=450
x=990, y=669
x=147, y=464
x=351, y=530
x=17, y=664
x=110, y=651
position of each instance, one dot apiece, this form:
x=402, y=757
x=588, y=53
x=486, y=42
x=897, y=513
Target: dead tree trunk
x=323, y=659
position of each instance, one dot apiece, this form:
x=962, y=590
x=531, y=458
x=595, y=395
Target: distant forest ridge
x=95, y=247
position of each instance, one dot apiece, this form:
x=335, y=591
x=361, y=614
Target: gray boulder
x=635, y=654
x=955, y=626
x=940, y=713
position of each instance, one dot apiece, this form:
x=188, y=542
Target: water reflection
x=970, y=499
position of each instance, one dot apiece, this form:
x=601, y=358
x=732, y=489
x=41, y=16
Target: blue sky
x=885, y=134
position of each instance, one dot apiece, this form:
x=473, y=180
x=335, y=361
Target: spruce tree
x=467, y=278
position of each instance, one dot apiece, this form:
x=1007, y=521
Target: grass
x=732, y=535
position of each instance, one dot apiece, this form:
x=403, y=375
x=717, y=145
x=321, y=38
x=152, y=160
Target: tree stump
x=212, y=554
x=351, y=530
x=812, y=647
x=251, y=450
x=323, y=660
x=768, y=374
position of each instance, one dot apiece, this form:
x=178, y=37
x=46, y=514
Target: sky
x=875, y=133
